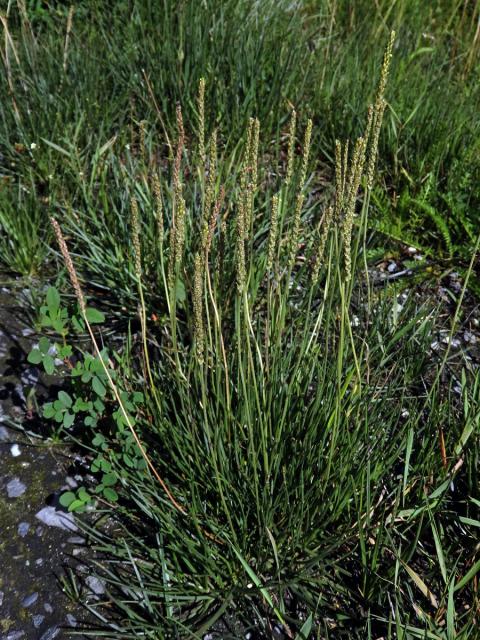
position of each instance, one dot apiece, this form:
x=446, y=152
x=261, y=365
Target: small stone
x=15, y=450
x=39, y=561
x=469, y=337
x=29, y=600
x=23, y=528
x=48, y=607
x=72, y=621
x=72, y=483
x=50, y=633
x=95, y=585
x=454, y=342
x=392, y=267
x=15, y=488
x=14, y=635
x=39, y=531
x=4, y=435
x=76, y=540
x=30, y=376
x=37, y=620
x=26, y=331
x=53, y=518
x=1, y=597
x=19, y=392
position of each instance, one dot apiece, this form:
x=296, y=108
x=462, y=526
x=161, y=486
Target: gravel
x=53, y=518
x=15, y=488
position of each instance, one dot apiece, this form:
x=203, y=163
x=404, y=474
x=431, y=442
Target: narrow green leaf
x=471, y=573
x=304, y=632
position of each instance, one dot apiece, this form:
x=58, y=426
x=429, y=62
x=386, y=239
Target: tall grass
x=291, y=419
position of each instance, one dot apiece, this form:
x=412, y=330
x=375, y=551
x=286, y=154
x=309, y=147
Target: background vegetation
x=277, y=447
x=68, y=102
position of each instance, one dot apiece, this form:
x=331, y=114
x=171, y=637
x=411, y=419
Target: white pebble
x=15, y=450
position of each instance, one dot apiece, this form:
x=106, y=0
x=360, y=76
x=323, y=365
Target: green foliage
x=298, y=470
x=299, y=478
x=87, y=401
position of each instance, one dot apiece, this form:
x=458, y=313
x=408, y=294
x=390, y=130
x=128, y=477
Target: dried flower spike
x=69, y=265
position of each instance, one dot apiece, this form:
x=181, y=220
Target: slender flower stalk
x=180, y=229
x=69, y=265
x=213, y=219
x=273, y=234
x=210, y=188
x=295, y=233
x=251, y=165
x=135, y=224
x=355, y=176
x=201, y=120
x=378, y=111
x=179, y=150
x=241, y=232
x=198, y=326
x=291, y=148
x=322, y=242
x=339, y=182
x=177, y=230
x=142, y=142
x=306, y=154
x=157, y=192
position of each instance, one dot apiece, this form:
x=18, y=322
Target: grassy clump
x=291, y=418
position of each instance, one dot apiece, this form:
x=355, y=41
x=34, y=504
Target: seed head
x=322, y=242
x=306, y=153
x=198, y=326
x=135, y=225
x=69, y=265
x=272, y=236
x=291, y=147
x=295, y=232
x=201, y=120
x=378, y=111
